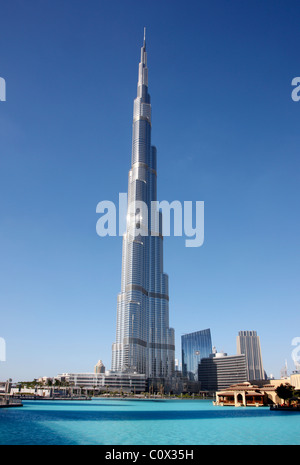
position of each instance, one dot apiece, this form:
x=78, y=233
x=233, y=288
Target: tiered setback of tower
x=144, y=341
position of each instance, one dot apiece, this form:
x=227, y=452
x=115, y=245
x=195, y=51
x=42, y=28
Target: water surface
x=137, y=422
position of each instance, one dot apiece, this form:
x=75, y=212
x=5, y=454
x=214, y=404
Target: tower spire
x=143, y=70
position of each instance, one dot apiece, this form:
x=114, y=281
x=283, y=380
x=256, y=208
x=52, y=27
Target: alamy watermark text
x=140, y=219
x=296, y=90
x=2, y=90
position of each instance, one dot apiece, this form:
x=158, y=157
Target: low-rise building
x=246, y=394
x=295, y=380
x=108, y=381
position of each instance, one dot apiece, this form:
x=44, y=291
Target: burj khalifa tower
x=144, y=341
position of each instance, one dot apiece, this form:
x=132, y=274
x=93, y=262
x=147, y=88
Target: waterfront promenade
x=8, y=401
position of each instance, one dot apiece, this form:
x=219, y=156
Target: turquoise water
x=135, y=422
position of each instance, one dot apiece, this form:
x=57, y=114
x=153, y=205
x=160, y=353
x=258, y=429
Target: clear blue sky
x=226, y=131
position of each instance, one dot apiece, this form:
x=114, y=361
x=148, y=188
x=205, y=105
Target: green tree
x=284, y=391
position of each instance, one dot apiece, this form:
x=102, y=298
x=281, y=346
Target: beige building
x=295, y=380
x=246, y=394
x=99, y=367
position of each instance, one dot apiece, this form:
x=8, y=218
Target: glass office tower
x=194, y=347
x=144, y=342
x=248, y=343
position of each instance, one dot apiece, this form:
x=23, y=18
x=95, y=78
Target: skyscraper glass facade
x=144, y=341
x=194, y=347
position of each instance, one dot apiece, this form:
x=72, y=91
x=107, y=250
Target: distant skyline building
x=144, y=341
x=248, y=343
x=99, y=367
x=194, y=347
x=219, y=371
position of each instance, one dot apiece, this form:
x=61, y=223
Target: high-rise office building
x=219, y=371
x=248, y=343
x=144, y=341
x=194, y=347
